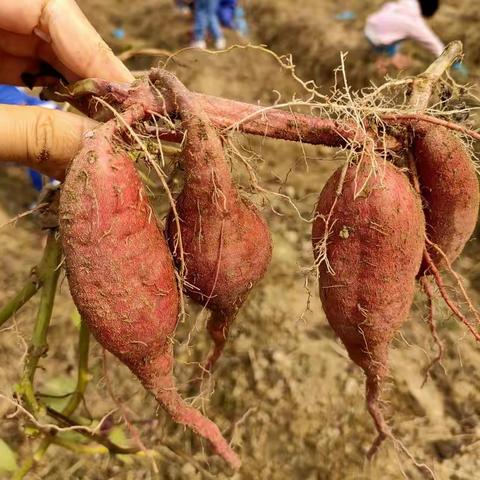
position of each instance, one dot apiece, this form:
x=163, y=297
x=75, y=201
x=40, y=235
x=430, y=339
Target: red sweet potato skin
x=121, y=274
x=450, y=190
x=226, y=242
x=374, y=247
x=118, y=265
x=227, y=249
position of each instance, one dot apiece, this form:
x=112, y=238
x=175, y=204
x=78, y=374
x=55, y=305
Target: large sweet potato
x=121, y=273
x=368, y=244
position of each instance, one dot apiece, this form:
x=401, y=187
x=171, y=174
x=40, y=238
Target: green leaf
x=117, y=435
x=76, y=318
x=58, y=387
x=8, y=461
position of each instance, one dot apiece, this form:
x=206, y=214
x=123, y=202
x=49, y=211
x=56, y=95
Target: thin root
x=446, y=297
x=218, y=327
x=457, y=278
x=427, y=288
x=384, y=431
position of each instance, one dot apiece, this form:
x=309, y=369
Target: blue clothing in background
x=232, y=16
x=388, y=50
x=10, y=95
x=14, y=96
x=36, y=178
x=206, y=18
x=226, y=12
x=240, y=24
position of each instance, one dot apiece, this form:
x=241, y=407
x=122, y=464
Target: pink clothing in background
x=401, y=20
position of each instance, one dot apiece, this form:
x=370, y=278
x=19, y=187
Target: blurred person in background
x=240, y=24
x=206, y=20
x=232, y=15
x=226, y=12
x=185, y=7
x=403, y=20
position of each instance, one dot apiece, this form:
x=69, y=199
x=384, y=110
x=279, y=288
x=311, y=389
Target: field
x=285, y=392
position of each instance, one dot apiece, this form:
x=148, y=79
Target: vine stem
x=77, y=396
x=414, y=119
x=225, y=114
x=32, y=286
x=37, y=279
x=166, y=450
x=105, y=441
x=38, y=345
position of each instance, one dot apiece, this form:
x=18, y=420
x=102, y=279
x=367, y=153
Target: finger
x=20, y=16
x=16, y=71
x=73, y=39
x=77, y=44
x=13, y=67
x=31, y=47
x=19, y=45
x=43, y=139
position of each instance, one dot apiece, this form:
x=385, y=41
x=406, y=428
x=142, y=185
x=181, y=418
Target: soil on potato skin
x=285, y=391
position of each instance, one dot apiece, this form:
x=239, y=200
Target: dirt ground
x=285, y=392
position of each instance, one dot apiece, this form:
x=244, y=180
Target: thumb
x=43, y=139
x=78, y=45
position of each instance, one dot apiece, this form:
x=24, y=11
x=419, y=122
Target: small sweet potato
x=121, y=273
x=226, y=243
x=368, y=244
x=449, y=188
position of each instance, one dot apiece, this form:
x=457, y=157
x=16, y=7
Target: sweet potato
x=450, y=191
x=368, y=245
x=121, y=273
x=226, y=243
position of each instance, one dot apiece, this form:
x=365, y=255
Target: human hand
x=43, y=139
x=53, y=32
x=36, y=33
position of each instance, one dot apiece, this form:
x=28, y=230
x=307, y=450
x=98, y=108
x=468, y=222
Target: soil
x=285, y=392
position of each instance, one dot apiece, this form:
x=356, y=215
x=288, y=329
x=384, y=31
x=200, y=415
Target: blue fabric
x=37, y=180
x=240, y=22
x=346, y=15
x=226, y=12
x=119, y=33
x=206, y=18
x=389, y=50
x=14, y=96
x=460, y=68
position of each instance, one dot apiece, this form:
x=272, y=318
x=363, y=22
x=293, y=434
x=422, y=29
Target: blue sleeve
x=14, y=96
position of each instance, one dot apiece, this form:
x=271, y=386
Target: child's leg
x=381, y=64
x=201, y=20
x=213, y=22
x=390, y=55
x=400, y=61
